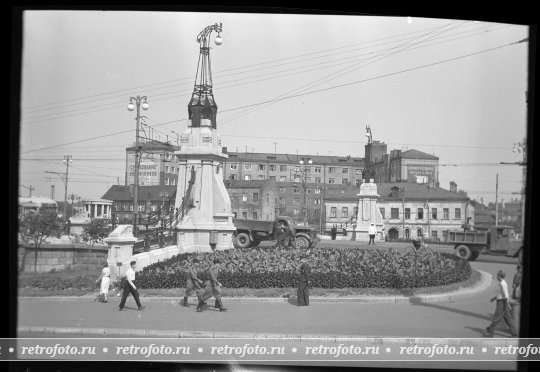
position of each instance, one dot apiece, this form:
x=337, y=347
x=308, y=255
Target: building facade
x=158, y=164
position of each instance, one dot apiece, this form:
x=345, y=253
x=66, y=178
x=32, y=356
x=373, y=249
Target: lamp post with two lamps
x=305, y=161
x=521, y=147
x=137, y=103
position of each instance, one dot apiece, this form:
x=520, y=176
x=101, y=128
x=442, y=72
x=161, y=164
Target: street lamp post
x=137, y=102
x=64, y=177
x=305, y=162
x=521, y=147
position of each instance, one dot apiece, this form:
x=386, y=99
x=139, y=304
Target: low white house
x=92, y=208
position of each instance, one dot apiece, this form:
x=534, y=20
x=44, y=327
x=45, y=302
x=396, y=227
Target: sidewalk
x=462, y=313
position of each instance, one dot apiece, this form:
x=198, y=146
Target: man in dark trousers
x=333, y=232
x=281, y=235
x=129, y=287
x=502, y=310
x=193, y=283
x=303, y=283
x=213, y=289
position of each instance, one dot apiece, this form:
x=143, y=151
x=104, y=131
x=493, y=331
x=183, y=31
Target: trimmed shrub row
x=331, y=268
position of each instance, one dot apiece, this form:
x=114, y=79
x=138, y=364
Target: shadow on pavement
x=487, y=318
x=481, y=331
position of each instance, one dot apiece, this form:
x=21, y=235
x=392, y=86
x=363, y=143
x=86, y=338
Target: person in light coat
x=372, y=231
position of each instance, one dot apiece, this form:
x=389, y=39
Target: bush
x=331, y=268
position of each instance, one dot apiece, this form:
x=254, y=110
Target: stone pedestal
x=120, y=243
x=368, y=213
x=207, y=223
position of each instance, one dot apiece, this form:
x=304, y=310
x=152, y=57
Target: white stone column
x=120, y=243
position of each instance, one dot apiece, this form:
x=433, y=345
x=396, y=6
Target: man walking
x=303, y=283
x=501, y=311
x=372, y=231
x=193, y=283
x=129, y=287
x=214, y=289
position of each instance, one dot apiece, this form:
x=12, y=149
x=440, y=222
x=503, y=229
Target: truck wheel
x=474, y=255
x=463, y=251
x=302, y=242
x=243, y=240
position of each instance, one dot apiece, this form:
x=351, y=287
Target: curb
x=462, y=293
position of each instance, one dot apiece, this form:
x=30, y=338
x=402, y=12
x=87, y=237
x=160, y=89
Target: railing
x=155, y=242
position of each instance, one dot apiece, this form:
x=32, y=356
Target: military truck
x=250, y=233
x=468, y=244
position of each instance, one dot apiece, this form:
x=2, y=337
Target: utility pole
x=402, y=189
x=305, y=162
x=52, y=192
x=132, y=107
x=64, y=177
x=496, y=200
x=30, y=189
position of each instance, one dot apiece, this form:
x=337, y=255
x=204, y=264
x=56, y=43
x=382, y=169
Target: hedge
x=330, y=268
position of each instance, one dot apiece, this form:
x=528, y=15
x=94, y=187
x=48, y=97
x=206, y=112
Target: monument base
x=203, y=240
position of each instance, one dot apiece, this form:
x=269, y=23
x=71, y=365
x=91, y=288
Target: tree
x=95, y=232
x=35, y=227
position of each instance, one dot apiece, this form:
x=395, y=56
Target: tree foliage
x=95, y=231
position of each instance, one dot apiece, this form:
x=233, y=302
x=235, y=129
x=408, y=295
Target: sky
x=287, y=83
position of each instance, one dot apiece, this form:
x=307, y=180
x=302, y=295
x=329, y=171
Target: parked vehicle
x=493, y=239
x=249, y=233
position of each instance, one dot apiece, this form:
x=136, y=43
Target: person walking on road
x=105, y=278
x=516, y=283
x=303, y=283
x=372, y=231
x=129, y=287
x=213, y=289
x=193, y=283
x=502, y=310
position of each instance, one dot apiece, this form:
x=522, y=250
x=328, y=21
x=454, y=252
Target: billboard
x=149, y=171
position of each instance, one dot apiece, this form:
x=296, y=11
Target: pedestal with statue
x=204, y=208
x=368, y=213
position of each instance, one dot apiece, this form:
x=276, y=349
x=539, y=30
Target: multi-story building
x=255, y=200
x=340, y=170
x=158, y=164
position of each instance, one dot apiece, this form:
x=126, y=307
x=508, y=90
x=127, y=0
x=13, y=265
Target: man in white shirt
x=501, y=311
x=129, y=287
x=372, y=231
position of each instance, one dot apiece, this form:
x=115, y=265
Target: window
x=331, y=191
x=317, y=201
x=317, y=169
x=394, y=212
x=255, y=197
x=434, y=234
x=283, y=168
x=232, y=176
x=345, y=212
x=407, y=233
x=296, y=201
x=173, y=181
x=331, y=170
x=358, y=182
x=255, y=216
x=457, y=213
x=296, y=190
x=261, y=176
x=317, y=179
x=244, y=215
x=272, y=167
x=247, y=166
x=407, y=213
x=283, y=178
x=244, y=198
x=234, y=166
x=166, y=169
x=166, y=181
x=308, y=179
x=434, y=213
x=247, y=177
x=282, y=200
x=317, y=191
x=233, y=197
x=261, y=167
x=446, y=213
x=344, y=181
x=345, y=171
x=273, y=178
x=358, y=172
x=282, y=189
x=333, y=211
x=419, y=233
x=420, y=213
x=331, y=180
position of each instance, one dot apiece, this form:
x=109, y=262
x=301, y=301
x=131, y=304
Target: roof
x=415, y=154
x=146, y=193
x=155, y=146
x=413, y=191
x=35, y=200
x=265, y=157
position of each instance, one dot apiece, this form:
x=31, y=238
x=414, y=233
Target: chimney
x=453, y=186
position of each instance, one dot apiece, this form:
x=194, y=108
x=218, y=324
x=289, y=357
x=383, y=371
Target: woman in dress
x=105, y=282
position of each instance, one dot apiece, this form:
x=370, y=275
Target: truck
x=468, y=244
x=250, y=233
